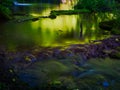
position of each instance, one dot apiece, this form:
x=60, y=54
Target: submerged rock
x=52, y=16
x=107, y=25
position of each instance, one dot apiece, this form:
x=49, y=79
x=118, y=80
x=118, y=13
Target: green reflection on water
x=64, y=30
x=54, y=31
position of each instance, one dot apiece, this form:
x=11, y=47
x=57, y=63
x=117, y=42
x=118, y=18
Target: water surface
x=64, y=30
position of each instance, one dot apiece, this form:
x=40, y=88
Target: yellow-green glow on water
x=35, y=25
x=60, y=23
x=52, y=30
x=46, y=12
x=62, y=31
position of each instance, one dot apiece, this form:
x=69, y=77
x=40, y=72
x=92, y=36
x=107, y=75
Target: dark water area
x=46, y=32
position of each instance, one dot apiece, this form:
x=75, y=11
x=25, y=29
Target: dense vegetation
x=96, y=5
x=6, y=6
x=5, y=12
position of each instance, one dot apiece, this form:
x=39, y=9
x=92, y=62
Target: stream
x=65, y=67
x=46, y=32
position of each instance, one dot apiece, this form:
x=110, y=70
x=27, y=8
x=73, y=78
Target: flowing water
x=64, y=30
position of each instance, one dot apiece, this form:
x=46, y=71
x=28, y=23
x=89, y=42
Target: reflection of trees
x=90, y=24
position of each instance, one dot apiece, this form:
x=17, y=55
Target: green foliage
x=115, y=32
x=118, y=17
x=5, y=12
x=6, y=3
x=116, y=29
x=68, y=12
x=87, y=4
x=118, y=1
x=95, y=5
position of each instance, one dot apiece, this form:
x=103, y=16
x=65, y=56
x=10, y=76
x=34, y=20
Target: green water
x=64, y=30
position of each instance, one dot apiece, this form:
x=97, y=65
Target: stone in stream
x=30, y=58
x=35, y=19
x=42, y=72
x=107, y=25
x=52, y=16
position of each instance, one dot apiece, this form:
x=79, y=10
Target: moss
x=68, y=12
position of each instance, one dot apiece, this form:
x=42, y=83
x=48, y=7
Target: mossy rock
x=69, y=12
x=115, y=31
x=115, y=55
x=107, y=25
x=52, y=16
x=53, y=69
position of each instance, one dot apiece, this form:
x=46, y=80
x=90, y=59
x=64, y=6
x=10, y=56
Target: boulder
x=52, y=16
x=107, y=25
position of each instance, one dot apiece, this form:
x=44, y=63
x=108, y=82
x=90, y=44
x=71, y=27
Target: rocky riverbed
x=76, y=67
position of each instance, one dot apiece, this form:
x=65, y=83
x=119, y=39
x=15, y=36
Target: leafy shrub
x=7, y=3
x=5, y=12
x=95, y=5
